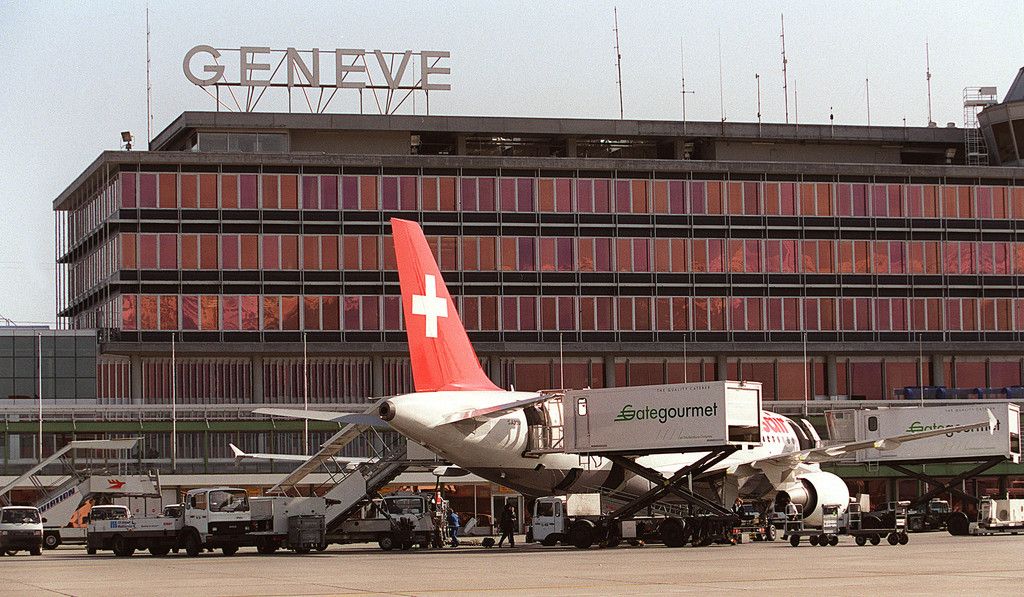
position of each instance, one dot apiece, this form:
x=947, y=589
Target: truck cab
x=21, y=527
x=399, y=520
x=216, y=517
x=548, y=523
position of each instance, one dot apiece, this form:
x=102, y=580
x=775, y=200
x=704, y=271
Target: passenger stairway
x=71, y=477
x=348, y=488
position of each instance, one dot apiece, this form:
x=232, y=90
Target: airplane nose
x=386, y=410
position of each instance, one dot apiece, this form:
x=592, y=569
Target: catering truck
x=395, y=521
x=1002, y=439
x=21, y=528
x=212, y=518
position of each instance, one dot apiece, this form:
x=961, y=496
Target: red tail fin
x=442, y=357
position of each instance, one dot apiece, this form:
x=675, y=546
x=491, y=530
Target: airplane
x=459, y=413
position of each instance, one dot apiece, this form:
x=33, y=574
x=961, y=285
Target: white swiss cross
x=430, y=305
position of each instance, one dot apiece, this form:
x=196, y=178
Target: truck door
x=546, y=513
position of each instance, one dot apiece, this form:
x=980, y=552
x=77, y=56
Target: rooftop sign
x=342, y=68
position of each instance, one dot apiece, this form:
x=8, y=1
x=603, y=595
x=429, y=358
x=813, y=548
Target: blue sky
x=74, y=73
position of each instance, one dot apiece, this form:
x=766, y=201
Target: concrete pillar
x=609, y=372
x=460, y=145
x=376, y=375
x=721, y=368
x=257, y=380
x=938, y=370
x=831, y=376
x=135, y=366
x=570, y=147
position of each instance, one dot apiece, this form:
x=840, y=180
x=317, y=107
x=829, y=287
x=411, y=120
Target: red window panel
x=1004, y=314
x=810, y=314
x=662, y=255
x=986, y=258
x=807, y=199
x=898, y=314
x=547, y=254
x=467, y=194
x=605, y=309
x=128, y=257
x=896, y=261
x=983, y=201
x=549, y=313
x=271, y=312
x=289, y=312
x=751, y=198
x=168, y=251
x=310, y=252
x=622, y=198
x=168, y=312
x=248, y=191
x=189, y=251
x=754, y=315
x=970, y=374
x=953, y=314
x=823, y=193
x=289, y=193
x=663, y=314
x=509, y=313
x=809, y=256
x=771, y=198
x=546, y=194
x=250, y=313
x=639, y=196
x=734, y=197
x=310, y=192
x=311, y=312
x=331, y=313
x=369, y=257
x=623, y=255
x=190, y=312
x=367, y=193
x=700, y=313
x=329, y=253
x=527, y=313
x=271, y=252
x=697, y=193
x=189, y=194
x=969, y=313
x=1002, y=258
x=129, y=312
x=271, y=199
x=230, y=313
x=250, y=251
x=659, y=192
x=827, y=314
x=787, y=199
x=987, y=307
x=470, y=313
x=208, y=310
x=681, y=313
x=168, y=191
x=737, y=314
x=147, y=190
x=208, y=251
x=128, y=189
x=642, y=313
x=1004, y=373
x=735, y=255
x=714, y=194
x=329, y=192
x=289, y=251
x=149, y=312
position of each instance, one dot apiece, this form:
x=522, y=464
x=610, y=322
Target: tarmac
x=931, y=563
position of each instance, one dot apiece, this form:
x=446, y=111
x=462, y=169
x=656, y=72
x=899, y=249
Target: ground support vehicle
x=21, y=528
x=995, y=517
x=295, y=523
x=396, y=521
x=932, y=516
x=755, y=523
x=836, y=523
x=124, y=534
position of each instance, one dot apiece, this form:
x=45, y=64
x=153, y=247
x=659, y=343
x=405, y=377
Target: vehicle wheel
x=875, y=539
x=548, y=541
x=488, y=542
x=425, y=545
x=794, y=540
x=36, y=551
x=90, y=550
x=302, y=549
x=861, y=540
x=12, y=552
x=958, y=524
x=159, y=550
x=582, y=534
x=229, y=550
x=813, y=539
x=386, y=542
x=823, y=541
x=833, y=540
x=322, y=546
x=904, y=538
x=893, y=538
x=265, y=546
x=770, y=533
x=123, y=548
x=193, y=545
x=673, y=532
x=51, y=540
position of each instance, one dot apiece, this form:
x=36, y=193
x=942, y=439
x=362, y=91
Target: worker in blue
x=453, y=526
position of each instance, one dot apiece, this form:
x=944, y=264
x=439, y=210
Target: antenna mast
x=618, y=59
x=867, y=98
x=682, y=81
x=149, y=90
x=721, y=86
x=785, y=75
x=928, y=77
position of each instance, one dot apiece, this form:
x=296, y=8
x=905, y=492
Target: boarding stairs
x=71, y=476
x=350, y=486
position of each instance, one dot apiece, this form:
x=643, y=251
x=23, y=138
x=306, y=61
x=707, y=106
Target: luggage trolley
x=834, y=524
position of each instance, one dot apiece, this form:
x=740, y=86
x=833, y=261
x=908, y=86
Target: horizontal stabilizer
x=496, y=409
x=323, y=415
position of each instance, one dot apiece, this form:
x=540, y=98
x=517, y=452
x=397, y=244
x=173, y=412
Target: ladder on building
x=349, y=487
x=975, y=99
x=71, y=477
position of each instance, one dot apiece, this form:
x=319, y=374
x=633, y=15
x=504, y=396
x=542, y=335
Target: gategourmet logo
x=661, y=415
x=918, y=427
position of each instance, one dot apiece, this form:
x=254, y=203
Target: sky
x=73, y=74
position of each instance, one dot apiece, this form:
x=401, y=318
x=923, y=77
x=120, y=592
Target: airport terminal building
x=252, y=251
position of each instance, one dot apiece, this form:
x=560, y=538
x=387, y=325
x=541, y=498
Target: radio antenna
x=618, y=59
x=721, y=86
x=928, y=78
x=682, y=81
x=149, y=89
x=785, y=75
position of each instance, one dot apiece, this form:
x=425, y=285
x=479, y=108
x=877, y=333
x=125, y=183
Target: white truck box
x=966, y=445
x=281, y=508
x=583, y=504
x=665, y=418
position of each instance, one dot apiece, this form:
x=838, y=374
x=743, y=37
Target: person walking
x=453, y=526
x=508, y=525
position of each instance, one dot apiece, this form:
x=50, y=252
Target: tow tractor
x=836, y=522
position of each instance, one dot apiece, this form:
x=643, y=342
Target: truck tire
x=265, y=546
x=302, y=549
x=51, y=540
x=673, y=532
x=893, y=538
x=229, y=550
x=875, y=539
x=958, y=524
x=12, y=552
x=386, y=542
x=582, y=534
x=90, y=550
x=549, y=541
x=123, y=548
x=833, y=540
x=770, y=533
x=861, y=540
x=36, y=551
x=904, y=538
x=193, y=544
x=159, y=550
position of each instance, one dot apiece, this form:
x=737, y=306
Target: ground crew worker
x=453, y=526
x=508, y=525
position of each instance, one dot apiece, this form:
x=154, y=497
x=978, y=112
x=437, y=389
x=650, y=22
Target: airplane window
x=581, y=407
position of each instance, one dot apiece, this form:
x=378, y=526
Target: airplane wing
x=240, y=456
x=323, y=415
x=493, y=410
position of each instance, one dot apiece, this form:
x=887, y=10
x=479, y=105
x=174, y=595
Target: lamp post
x=305, y=395
x=805, y=373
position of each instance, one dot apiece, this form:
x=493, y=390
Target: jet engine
x=810, y=491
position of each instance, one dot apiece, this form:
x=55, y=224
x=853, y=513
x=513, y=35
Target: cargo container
x=665, y=418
